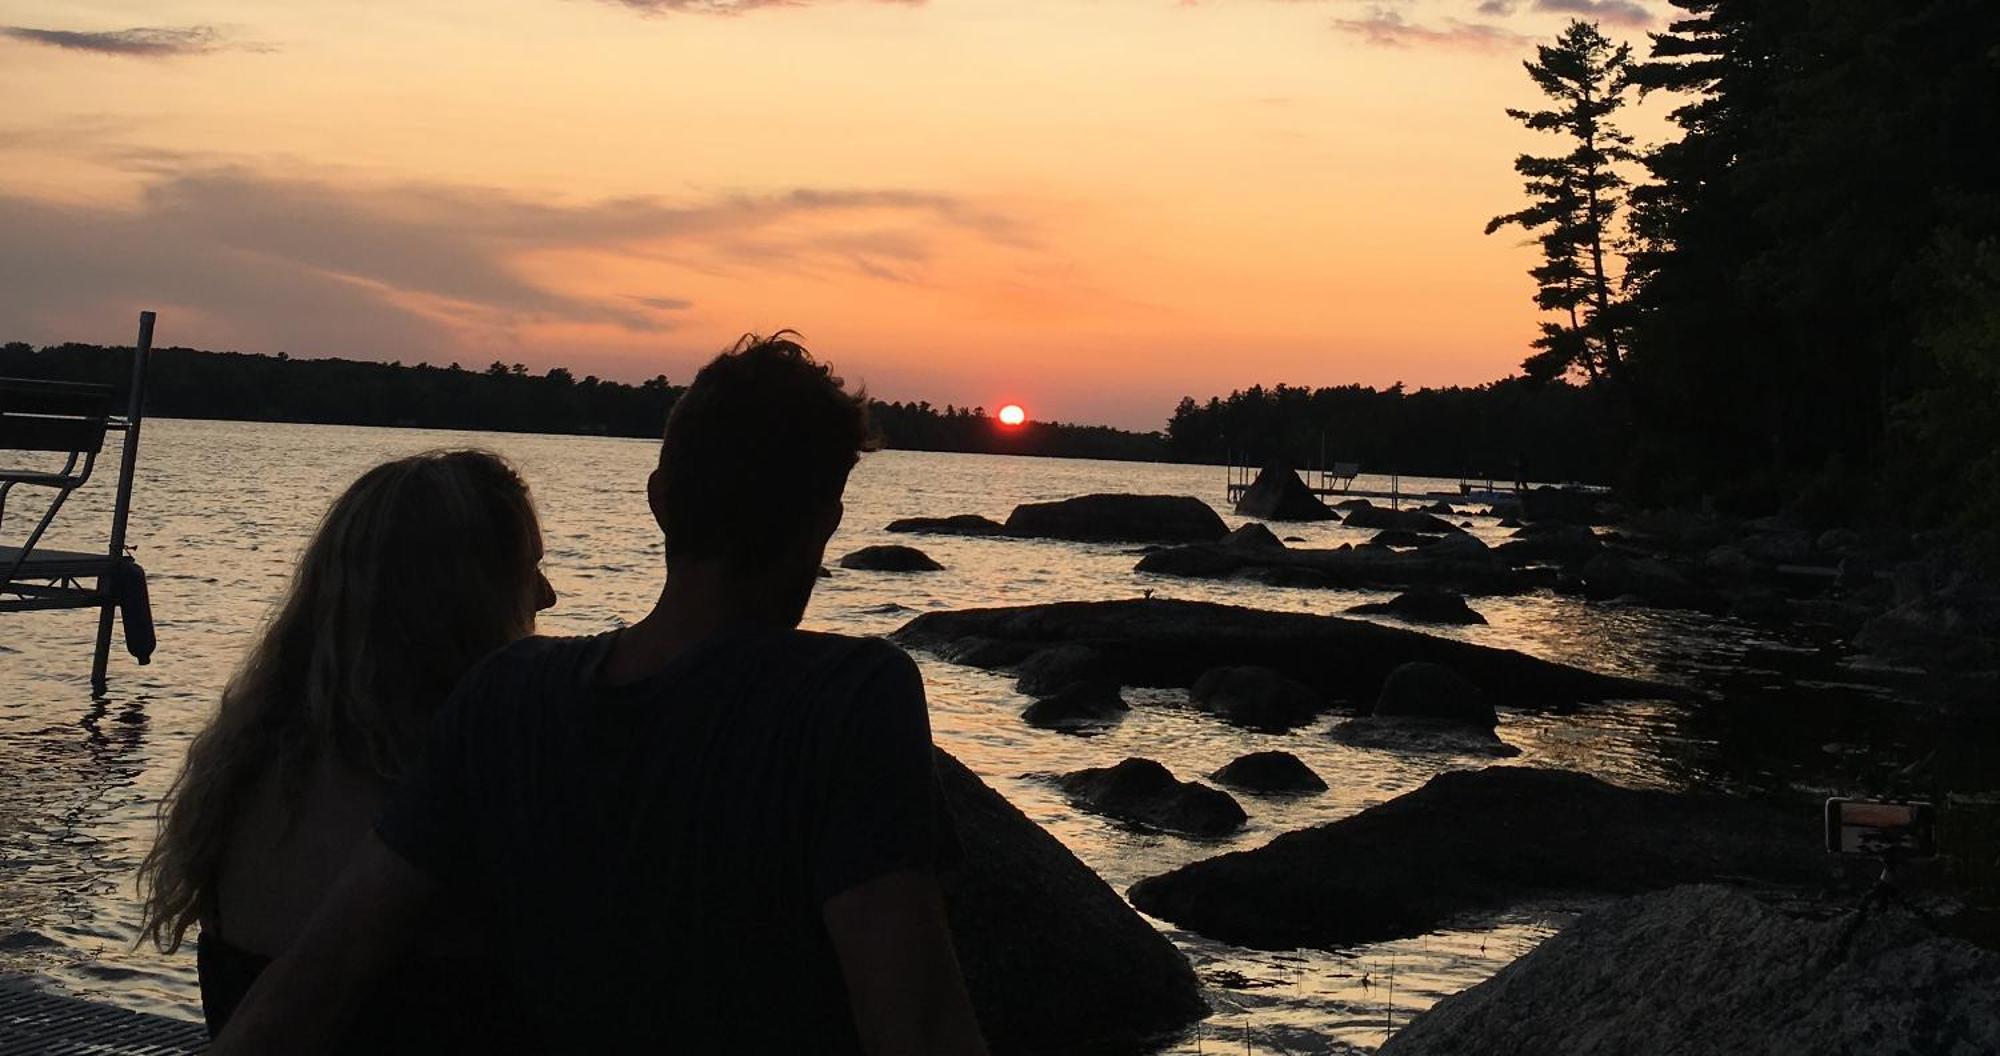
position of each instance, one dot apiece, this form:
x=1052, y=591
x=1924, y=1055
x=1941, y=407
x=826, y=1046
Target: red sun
x=1012, y=415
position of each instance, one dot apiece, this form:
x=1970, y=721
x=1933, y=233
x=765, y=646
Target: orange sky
x=1091, y=207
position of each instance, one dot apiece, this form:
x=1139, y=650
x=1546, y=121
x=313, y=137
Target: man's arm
x=903, y=982
x=300, y=1002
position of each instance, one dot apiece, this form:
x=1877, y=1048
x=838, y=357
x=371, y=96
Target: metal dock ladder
x=68, y=421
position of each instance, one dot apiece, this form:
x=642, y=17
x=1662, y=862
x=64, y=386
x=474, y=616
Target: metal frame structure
x=70, y=419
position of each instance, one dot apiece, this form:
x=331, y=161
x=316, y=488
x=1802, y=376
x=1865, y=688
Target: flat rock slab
x=1701, y=970
x=957, y=524
x=1054, y=960
x=1478, y=840
x=1119, y=518
x=890, y=558
x=1465, y=570
x=1148, y=642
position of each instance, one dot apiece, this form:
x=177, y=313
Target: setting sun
x=1012, y=414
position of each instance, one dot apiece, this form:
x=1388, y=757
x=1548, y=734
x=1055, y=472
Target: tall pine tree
x=1576, y=198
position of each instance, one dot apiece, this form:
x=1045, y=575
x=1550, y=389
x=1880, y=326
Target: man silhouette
x=708, y=831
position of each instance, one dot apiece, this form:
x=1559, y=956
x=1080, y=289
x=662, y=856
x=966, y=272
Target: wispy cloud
x=731, y=7
x=1614, y=12
x=1385, y=27
x=147, y=42
x=286, y=261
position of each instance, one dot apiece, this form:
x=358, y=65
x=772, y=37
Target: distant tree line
x=1796, y=300
x=189, y=383
x=1515, y=428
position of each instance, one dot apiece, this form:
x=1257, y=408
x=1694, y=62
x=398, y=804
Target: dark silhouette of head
x=756, y=454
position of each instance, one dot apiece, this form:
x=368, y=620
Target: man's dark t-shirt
x=655, y=855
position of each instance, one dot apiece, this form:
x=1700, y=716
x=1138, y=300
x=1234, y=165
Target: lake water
x=222, y=509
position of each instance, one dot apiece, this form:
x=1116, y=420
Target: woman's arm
x=367, y=921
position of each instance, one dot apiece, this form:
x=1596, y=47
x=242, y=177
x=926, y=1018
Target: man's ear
x=656, y=496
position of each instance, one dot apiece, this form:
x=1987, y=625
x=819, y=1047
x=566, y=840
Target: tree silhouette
x=1575, y=200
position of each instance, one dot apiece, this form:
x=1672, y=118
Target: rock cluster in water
x=1478, y=840
x=1143, y=792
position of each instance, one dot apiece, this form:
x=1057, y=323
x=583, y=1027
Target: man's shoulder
x=532, y=660
x=828, y=652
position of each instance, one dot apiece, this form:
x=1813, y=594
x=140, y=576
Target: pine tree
x=1576, y=198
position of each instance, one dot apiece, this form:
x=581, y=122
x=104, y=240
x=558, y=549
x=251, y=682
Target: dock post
x=121, y=511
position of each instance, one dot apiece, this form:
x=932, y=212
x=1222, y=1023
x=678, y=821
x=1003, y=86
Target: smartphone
x=1879, y=828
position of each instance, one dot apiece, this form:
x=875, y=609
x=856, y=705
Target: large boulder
x=1270, y=774
x=1256, y=697
x=1079, y=705
x=1479, y=840
x=1399, y=537
x=1279, y=495
x=1422, y=690
x=957, y=524
x=1170, y=643
x=1423, y=606
x=1699, y=970
x=1143, y=792
x=890, y=558
x=1379, y=517
x=1120, y=518
x=1054, y=960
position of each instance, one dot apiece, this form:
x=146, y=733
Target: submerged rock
x=1054, y=960
x=1158, y=642
x=1423, y=606
x=1421, y=736
x=957, y=524
x=1698, y=970
x=1421, y=690
x=1279, y=495
x=1257, y=697
x=1427, y=708
x=1478, y=840
x=1079, y=704
x=1145, y=793
x=1120, y=518
x=890, y=558
x=1252, y=536
x=1406, y=520
x=1270, y=774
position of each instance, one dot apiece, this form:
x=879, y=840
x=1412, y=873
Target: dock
x=38, y=1023
x=1335, y=483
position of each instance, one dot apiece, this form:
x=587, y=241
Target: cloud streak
x=146, y=42
x=418, y=271
x=1625, y=13
x=1387, y=28
x=730, y=7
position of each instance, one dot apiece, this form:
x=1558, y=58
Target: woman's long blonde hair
x=421, y=567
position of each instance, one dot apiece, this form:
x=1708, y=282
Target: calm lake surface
x=222, y=510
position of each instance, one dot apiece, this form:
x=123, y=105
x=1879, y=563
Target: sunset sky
x=1089, y=207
